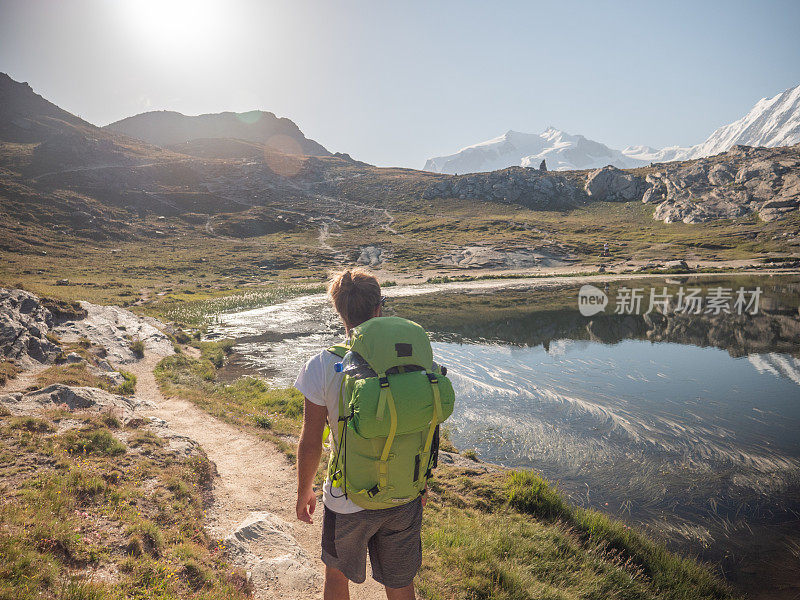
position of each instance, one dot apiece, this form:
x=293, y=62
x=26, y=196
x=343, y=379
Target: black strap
x=433, y=462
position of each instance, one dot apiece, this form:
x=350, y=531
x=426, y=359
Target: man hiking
x=382, y=398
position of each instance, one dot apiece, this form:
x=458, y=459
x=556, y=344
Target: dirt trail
x=253, y=475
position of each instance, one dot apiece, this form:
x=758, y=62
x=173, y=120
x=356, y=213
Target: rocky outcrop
x=264, y=544
x=485, y=257
x=24, y=325
x=115, y=328
x=611, y=184
x=529, y=187
x=371, y=255
x=72, y=398
x=739, y=182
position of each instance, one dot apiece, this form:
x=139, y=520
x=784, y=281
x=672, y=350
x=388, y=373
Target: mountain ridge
x=168, y=128
x=771, y=122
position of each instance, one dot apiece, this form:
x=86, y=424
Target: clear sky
x=394, y=83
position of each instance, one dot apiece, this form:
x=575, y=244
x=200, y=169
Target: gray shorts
x=391, y=535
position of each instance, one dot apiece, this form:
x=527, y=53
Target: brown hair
x=355, y=295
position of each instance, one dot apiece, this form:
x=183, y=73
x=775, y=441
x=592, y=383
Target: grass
x=90, y=440
x=79, y=374
x=84, y=517
x=8, y=370
x=534, y=545
x=248, y=402
x=188, y=310
x=187, y=275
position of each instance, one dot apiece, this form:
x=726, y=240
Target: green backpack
x=388, y=420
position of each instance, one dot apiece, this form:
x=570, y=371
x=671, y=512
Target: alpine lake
x=682, y=419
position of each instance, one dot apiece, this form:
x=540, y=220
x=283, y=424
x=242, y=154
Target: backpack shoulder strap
x=339, y=350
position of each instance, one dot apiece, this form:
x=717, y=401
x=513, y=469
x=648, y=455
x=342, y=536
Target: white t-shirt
x=318, y=382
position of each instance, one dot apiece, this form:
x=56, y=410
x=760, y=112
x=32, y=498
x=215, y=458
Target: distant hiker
x=543, y=165
x=605, y=249
x=383, y=398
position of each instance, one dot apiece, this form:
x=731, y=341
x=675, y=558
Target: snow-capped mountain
x=771, y=122
x=561, y=150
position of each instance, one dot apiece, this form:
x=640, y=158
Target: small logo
x=591, y=300
x=403, y=349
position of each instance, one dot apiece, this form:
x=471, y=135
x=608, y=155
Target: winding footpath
x=253, y=477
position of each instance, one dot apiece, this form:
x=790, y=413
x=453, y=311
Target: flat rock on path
x=253, y=477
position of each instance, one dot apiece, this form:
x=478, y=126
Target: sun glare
x=176, y=26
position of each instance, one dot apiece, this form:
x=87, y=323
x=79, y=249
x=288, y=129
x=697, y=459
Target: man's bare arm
x=309, y=451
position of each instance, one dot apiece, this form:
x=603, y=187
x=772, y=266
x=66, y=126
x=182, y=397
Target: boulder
x=177, y=443
x=611, y=184
x=774, y=209
x=24, y=325
x=370, y=255
x=264, y=544
x=72, y=398
x=676, y=264
x=114, y=377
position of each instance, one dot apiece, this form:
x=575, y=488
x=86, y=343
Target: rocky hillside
x=734, y=184
x=740, y=182
x=26, y=117
x=83, y=204
x=529, y=187
x=37, y=137
x=172, y=129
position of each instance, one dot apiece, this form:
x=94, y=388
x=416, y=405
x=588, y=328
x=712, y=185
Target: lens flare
x=284, y=155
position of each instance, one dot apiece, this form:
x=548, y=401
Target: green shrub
x=144, y=537
x=215, y=352
x=530, y=493
x=262, y=421
x=137, y=347
x=110, y=421
x=98, y=441
x=128, y=387
x=31, y=424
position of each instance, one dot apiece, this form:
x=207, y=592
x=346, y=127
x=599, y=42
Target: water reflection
x=686, y=424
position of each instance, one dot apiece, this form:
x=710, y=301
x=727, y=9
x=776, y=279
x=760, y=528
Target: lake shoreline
x=316, y=313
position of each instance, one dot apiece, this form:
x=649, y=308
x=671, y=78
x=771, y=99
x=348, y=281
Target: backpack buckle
x=432, y=378
x=372, y=492
x=384, y=381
